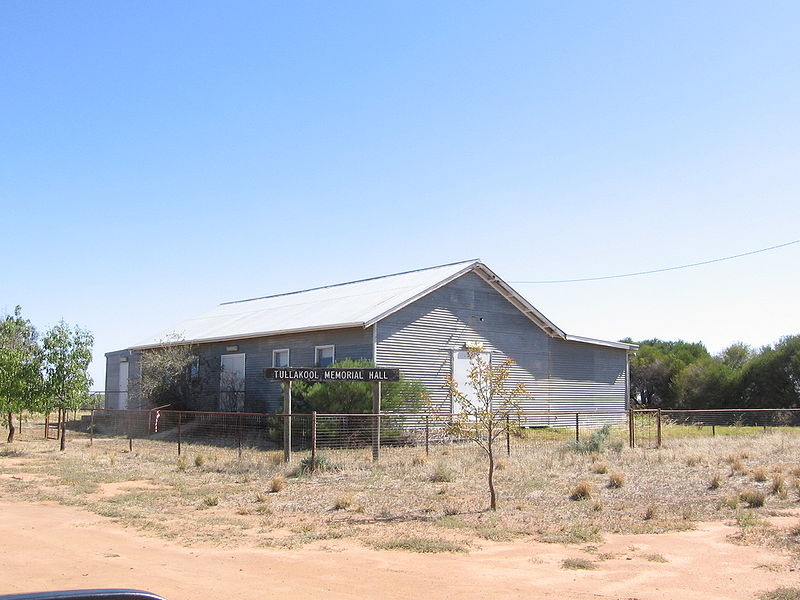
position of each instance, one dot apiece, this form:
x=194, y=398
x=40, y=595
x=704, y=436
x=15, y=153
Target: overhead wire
x=662, y=270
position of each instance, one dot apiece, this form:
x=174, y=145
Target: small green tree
x=21, y=383
x=169, y=374
x=355, y=397
x=67, y=354
x=489, y=407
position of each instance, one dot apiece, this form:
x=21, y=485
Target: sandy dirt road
x=47, y=547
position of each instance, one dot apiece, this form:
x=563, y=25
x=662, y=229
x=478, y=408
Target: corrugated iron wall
x=558, y=375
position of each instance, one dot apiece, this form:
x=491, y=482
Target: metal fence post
x=313, y=440
x=91, y=429
x=239, y=434
x=179, y=434
x=631, y=442
x=427, y=435
x=713, y=430
x=658, y=428
x=577, y=427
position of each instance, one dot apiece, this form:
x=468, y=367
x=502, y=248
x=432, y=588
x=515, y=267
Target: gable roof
x=359, y=303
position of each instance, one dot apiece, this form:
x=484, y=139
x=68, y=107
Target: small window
x=280, y=358
x=323, y=356
x=194, y=368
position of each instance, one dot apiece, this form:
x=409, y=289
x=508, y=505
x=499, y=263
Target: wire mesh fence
x=643, y=428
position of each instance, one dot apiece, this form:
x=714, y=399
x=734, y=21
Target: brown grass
x=616, y=480
x=277, y=483
x=404, y=496
x=753, y=498
x=583, y=491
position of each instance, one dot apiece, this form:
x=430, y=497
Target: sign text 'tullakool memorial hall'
x=289, y=374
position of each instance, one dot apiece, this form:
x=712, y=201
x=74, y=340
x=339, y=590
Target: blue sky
x=157, y=158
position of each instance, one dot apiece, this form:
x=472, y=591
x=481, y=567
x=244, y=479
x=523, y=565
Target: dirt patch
x=109, y=490
x=59, y=547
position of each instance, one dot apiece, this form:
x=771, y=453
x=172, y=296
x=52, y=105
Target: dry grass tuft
x=759, y=474
x=730, y=502
x=753, y=498
x=577, y=563
x=781, y=593
x=199, y=460
x=659, y=558
x=737, y=467
x=442, y=473
x=583, y=491
x=501, y=464
x=211, y=500
x=420, y=459
x=716, y=482
x=600, y=468
x=651, y=512
x=694, y=460
x=277, y=483
x=420, y=544
x=779, y=485
x=616, y=480
x=183, y=463
x=795, y=471
x=344, y=502
x=261, y=497
x=275, y=459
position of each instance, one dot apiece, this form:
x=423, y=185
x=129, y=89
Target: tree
x=772, y=378
x=707, y=383
x=21, y=383
x=655, y=367
x=736, y=356
x=355, y=397
x=67, y=354
x=169, y=374
x=489, y=407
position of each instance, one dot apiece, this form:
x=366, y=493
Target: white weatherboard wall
x=560, y=375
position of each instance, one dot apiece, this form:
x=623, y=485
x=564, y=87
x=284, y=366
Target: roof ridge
x=322, y=287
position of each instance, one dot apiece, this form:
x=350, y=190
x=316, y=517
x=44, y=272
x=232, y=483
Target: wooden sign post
x=314, y=374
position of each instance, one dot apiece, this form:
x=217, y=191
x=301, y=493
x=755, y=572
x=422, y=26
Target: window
x=323, y=356
x=280, y=358
x=194, y=368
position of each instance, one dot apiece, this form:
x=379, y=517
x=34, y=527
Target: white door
x=461, y=368
x=231, y=383
x=122, y=386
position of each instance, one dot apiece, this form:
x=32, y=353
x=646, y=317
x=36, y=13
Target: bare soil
x=52, y=547
x=211, y=524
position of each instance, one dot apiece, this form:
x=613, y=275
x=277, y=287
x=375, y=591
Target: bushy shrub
x=595, y=443
x=319, y=464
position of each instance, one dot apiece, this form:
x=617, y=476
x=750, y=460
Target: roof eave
x=596, y=342
x=246, y=336
x=394, y=309
x=519, y=301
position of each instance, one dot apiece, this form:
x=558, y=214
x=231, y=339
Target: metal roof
x=355, y=304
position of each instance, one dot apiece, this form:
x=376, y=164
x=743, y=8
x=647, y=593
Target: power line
x=637, y=273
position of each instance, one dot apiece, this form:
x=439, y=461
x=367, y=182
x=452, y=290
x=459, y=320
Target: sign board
x=316, y=374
